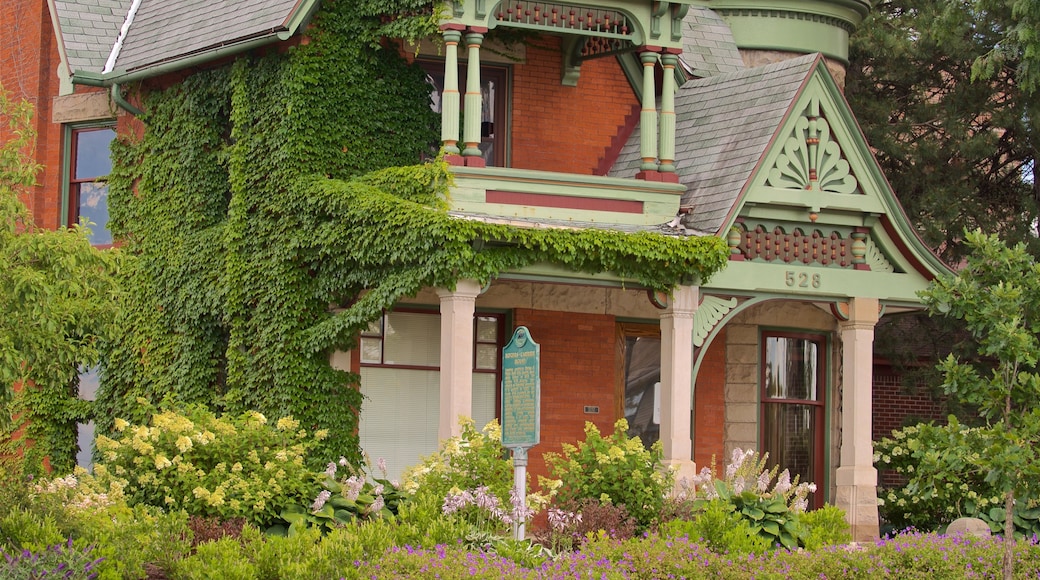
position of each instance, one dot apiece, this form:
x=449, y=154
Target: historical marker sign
x=521, y=391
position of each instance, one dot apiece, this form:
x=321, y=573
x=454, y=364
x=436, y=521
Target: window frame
x=626, y=330
x=818, y=473
x=70, y=186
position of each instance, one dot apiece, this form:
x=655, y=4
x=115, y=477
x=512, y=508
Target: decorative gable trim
x=811, y=159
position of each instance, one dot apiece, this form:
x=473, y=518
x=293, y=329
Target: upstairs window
x=89, y=165
x=493, y=89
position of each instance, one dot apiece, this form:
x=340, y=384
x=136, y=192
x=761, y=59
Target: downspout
x=117, y=98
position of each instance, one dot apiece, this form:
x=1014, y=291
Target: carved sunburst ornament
x=811, y=160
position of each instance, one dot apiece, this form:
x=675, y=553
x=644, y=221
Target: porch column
x=456, y=376
x=450, y=96
x=677, y=380
x=667, y=148
x=473, y=112
x=648, y=115
x=856, y=477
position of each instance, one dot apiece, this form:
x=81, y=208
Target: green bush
x=227, y=467
x=826, y=527
x=617, y=469
x=939, y=463
x=720, y=528
x=220, y=559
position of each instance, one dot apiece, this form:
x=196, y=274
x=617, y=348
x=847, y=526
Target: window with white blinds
x=400, y=379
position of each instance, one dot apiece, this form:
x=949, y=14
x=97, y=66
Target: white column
x=456, y=384
x=856, y=477
x=677, y=380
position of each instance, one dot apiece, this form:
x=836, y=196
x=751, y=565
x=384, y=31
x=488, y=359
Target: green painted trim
x=66, y=172
x=804, y=26
x=469, y=194
x=772, y=278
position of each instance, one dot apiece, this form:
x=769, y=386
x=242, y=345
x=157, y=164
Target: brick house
x=726, y=122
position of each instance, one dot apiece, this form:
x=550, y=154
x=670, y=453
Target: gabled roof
x=723, y=127
x=88, y=29
x=110, y=41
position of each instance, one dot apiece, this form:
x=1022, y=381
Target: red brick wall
x=894, y=406
x=709, y=404
x=561, y=128
x=578, y=368
x=28, y=61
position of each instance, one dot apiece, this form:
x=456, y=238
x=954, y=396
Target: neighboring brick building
x=667, y=131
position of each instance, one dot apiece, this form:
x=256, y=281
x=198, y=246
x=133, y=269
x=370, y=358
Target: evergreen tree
x=958, y=149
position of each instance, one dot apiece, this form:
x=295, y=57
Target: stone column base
x=857, y=495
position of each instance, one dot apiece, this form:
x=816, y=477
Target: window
x=88, y=386
x=89, y=164
x=493, y=113
x=640, y=353
x=400, y=379
x=792, y=406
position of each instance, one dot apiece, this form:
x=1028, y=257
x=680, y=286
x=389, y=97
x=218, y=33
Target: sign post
x=521, y=408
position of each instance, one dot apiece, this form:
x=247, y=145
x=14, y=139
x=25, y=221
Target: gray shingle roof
x=164, y=29
x=724, y=125
x=708, y=45
x=89, y=28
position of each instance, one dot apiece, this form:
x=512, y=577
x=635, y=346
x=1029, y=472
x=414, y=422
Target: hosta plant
x=768, y=501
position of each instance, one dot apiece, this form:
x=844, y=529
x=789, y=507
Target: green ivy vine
x=273, y=208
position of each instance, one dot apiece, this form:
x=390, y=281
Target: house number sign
x=794, y=279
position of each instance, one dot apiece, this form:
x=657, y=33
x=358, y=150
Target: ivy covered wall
x=273, y=207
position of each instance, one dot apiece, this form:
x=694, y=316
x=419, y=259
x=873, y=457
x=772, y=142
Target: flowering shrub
x=473, y=458
x=768, y=501
x=210, y=466
x=125, y=539
x=350, y=498
x=617, y=470
x=940, y=464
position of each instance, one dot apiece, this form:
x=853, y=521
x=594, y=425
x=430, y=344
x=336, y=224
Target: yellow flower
x=169, y=500
x=161, y=462
x=183, y=443
x=258, y=417
x=287, y=424
x=236, y=468
x=321, y=434
x=120, y=424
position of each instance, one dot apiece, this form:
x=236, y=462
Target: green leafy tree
x=56, y=302
x=958, y=149
x=997, y=296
